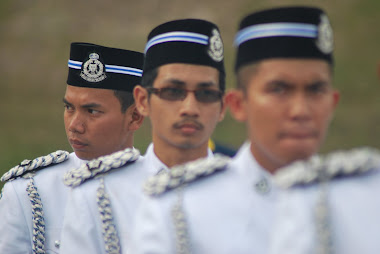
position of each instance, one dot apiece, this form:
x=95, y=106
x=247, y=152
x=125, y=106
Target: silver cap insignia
x=216, y=46
x=325, y=39
x=93, y=69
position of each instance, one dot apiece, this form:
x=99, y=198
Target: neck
x=269, y=164
x=171, y=155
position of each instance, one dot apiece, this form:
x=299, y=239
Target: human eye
x=277, y=88
x=317, y=88
x=68, y=107
x=208, y=95
x=172, y=93
x=93, y=111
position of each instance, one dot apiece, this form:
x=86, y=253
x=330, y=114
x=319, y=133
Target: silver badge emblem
x=93, y=69
x=325, y=39
x=216, y=46
x=262, y=186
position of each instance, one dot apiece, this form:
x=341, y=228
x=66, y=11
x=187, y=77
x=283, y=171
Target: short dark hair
x=125, y=98
x=149, y=77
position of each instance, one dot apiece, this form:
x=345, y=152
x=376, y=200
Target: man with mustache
x=285, y=96
x=100, y=118
x=182, y=94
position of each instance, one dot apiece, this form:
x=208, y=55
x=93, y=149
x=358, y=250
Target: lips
x=77, y=144
x=188, y=126
x=299, y=134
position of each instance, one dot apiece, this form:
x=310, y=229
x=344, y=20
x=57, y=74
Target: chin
x=301, y=153
x=83, y=156
x=187, y=145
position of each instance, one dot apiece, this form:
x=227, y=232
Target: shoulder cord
x=29, y=165
x=37, y=217
x=322, y=221
x=180, y=224
x=100, y=166
x=110, y=236
x=38, y=237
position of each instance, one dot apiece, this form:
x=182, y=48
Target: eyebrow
x=88, y=105
x=318, y=83
x=66, y=102
x=205, y=84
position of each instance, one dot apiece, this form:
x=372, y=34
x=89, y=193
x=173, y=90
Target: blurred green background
x=35, y=37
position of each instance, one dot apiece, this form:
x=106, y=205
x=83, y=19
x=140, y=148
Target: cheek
x=160, y=117
x=324, y=112
x=108, y=125
x=66, y=121
x=212, y=114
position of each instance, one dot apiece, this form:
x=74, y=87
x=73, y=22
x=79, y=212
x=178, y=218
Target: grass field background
x=34, y=48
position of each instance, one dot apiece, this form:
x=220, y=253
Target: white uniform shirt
x=228, y=212
x=16, y=214
x=353, y=215
x=82, y=231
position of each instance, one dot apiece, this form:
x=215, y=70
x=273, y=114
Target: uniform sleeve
x=81, y=231
x=14, y=231
x=153, y=231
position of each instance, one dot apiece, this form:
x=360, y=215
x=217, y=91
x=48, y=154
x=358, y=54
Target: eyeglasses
x=179, y=94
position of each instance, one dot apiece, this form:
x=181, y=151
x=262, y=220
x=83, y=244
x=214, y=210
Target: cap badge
x=93, y=69
x=325, y=38
x=216, y=46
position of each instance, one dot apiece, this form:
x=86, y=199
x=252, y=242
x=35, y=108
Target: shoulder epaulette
x=100, y=166
x=186, y=173
x=27, y=166
x=324, y=168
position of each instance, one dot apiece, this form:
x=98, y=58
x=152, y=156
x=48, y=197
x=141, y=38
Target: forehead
x=291, y=70
x=76, y=94
x=189, y=74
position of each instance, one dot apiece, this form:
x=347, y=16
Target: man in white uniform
x=182, y=94
x=286, y=99
x=100, y=118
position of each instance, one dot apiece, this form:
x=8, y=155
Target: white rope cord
x=25, y=169
x=180, y=224
x=177, y=178
x=37, y=218
x=110, y=236
x=30, y=165
x=99, y=166
x=340, y=163
x=179, y=175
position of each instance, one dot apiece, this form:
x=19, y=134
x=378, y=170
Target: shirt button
x=262, y=186
x=57, y=244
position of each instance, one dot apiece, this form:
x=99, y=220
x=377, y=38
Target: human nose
x=76, y=123
x=300, y=108
x=190, y=105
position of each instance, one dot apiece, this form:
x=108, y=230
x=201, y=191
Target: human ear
x=235, y=102
x=141, y=99
x=136, y=118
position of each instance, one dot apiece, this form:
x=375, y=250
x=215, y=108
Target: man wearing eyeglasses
x=182, y=94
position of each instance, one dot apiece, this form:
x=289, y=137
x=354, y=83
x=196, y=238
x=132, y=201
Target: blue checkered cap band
x=276, y=30
x=177, y=37
x=110, y=68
